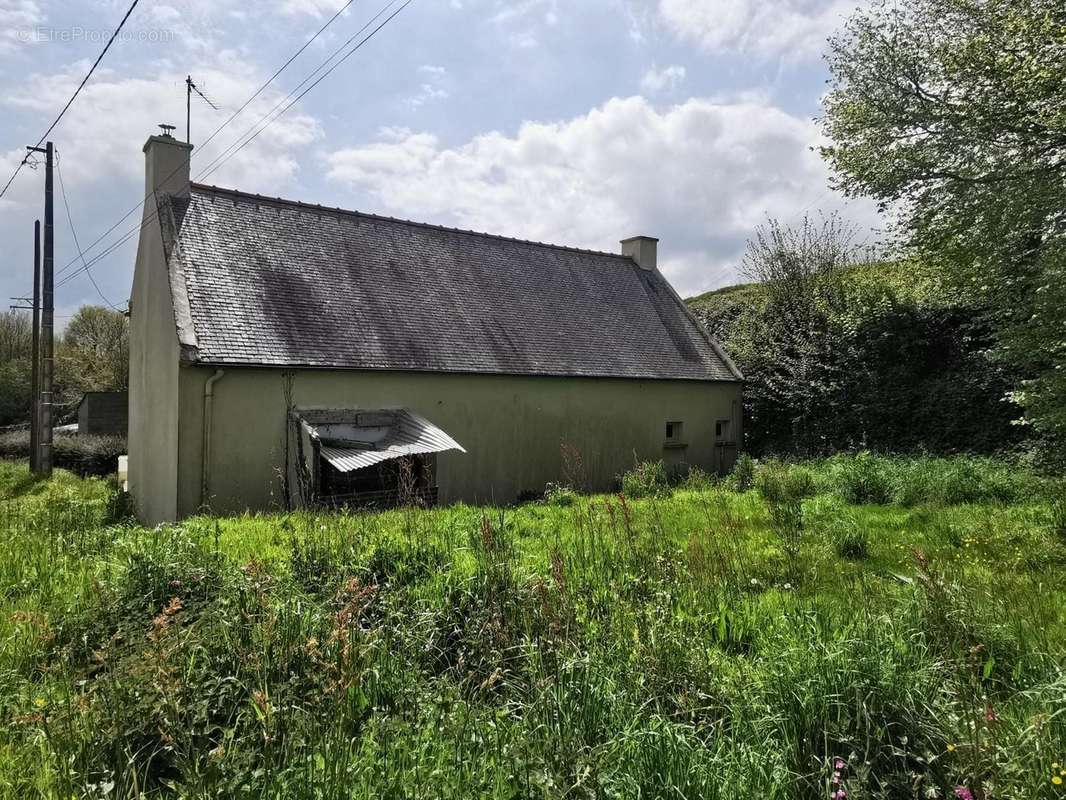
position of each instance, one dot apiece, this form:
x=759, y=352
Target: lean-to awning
x=366, y=438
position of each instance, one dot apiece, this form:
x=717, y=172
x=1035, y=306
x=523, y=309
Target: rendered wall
x=512, y=427
x=154, y=349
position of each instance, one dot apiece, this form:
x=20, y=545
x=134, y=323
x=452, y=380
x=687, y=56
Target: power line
x=74, y=233
x=226, y=154
x=219, y=161
x=217, y=130
x=77, y=91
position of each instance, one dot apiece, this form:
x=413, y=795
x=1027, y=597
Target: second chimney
x=642, y=249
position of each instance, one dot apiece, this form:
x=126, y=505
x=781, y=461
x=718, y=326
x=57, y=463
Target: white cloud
x=793, y=28
x=314, y=8
x=18, y=18
x=701, y=175
x=102, y=134
x=665, y=79
x=430, y=89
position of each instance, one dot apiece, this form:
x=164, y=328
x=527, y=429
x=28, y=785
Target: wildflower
x=1055, y=779
x=754, y=581
x=40, y=702
x=963, y=793
x=788, y=587
x=839, y=764
x=951, y=747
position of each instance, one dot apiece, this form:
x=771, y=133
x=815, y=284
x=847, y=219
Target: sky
x=577, y=122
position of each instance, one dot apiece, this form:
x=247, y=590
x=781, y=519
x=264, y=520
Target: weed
x=647, y=479
x=743, y=475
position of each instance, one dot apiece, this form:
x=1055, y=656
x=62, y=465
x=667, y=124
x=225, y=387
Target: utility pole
x=47, y=317
x=35, y=372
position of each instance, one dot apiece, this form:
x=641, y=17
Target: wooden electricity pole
x=44, y=465
x=35, y=371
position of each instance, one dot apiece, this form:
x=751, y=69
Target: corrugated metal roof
x=377, y=436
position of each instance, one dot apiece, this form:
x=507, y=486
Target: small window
x=721, y=430
x=673, y=431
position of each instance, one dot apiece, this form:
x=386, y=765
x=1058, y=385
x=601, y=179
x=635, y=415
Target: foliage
x=610, y=648
x=898, y=364
x=92, y=355
x=865, y=478
x=82, y=455
x=743, y=475
x=954, y=114
x=557, y=495
x=647, y=479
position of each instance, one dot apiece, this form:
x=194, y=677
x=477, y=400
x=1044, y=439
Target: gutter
x=205, y=450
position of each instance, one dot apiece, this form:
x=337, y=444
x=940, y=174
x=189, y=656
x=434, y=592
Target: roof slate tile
x=277, y=283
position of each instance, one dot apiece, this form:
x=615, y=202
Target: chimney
x=642, y=249
x=166, y=167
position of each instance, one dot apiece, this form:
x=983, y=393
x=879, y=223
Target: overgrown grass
x=85, y=455
x=582, y=647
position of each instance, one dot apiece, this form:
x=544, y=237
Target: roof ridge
x=413, y=223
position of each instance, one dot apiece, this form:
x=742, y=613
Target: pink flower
x=839, y=764
x=963, y=793
x=836, y=778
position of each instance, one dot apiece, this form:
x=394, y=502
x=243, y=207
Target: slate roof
x=269, y=282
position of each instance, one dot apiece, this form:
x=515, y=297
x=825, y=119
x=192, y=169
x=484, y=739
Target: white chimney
x=642, y=249
x=166, y=167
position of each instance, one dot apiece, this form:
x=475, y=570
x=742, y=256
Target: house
x=103, y=414
x=288, y=354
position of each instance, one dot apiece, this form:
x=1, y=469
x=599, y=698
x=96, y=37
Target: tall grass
x=599, y=647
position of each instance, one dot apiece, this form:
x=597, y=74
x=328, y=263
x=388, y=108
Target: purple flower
x=963, y=793
x=839, y=764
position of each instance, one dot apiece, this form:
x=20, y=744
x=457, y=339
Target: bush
x=87, y=456
x=863, y=479
x=743, y=475
x=778, y=482
x=646, y=480
x=557, y=495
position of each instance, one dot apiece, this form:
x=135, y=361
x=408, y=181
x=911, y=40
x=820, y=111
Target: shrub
x=778, y=482
x=646, y=480
x=743, y=475
x=696, y=480
x=863, y=479
x=85, y=455
x=557, y=495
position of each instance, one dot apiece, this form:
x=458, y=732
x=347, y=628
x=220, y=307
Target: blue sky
x=579, y=122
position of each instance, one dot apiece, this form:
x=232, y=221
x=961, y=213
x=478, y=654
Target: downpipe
x=205, y=449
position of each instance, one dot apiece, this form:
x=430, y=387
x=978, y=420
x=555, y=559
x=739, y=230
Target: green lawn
x=689, y=644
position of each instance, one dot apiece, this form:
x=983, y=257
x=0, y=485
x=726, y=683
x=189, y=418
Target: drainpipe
x=205, y=450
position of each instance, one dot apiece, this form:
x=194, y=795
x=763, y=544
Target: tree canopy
x=953, y=114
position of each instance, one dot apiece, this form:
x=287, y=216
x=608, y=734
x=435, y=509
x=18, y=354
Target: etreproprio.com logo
x=92, y=35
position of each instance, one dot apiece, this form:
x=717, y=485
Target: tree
x=94, y=353
x=15, y=357
x=788, y=362
x=953, y=113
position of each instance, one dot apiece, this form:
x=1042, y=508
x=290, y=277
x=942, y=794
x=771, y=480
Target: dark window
x=387, y=484
x=669, y=430
x=673, y=431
